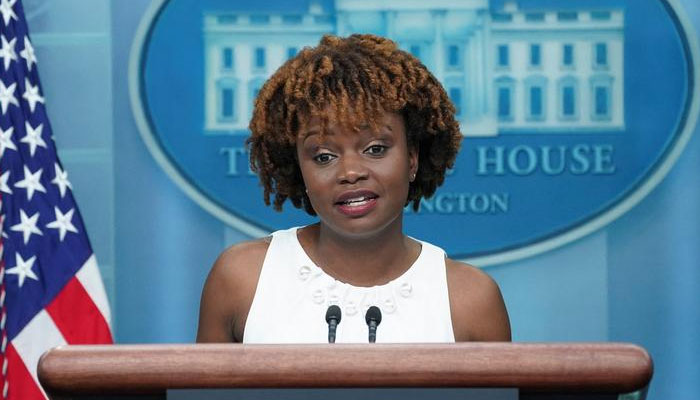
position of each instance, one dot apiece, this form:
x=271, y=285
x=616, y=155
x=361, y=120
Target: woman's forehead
x=331, y=119
x=322, y=125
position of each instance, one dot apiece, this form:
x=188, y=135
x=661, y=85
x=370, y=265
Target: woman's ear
x=412, y=162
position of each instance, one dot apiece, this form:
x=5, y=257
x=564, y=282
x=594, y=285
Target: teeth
x=356, y=202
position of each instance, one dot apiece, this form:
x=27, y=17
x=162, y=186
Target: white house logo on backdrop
x=506, y=71
x=570, y=119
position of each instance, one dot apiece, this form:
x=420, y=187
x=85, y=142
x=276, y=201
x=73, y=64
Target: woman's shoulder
x=237, y=268
x=477, y=306
x=242, y=256
x=468, y=276
x=229, y=290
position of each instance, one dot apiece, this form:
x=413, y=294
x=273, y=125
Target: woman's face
x=357, y=181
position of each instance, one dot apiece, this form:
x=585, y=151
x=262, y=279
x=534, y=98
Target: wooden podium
x=539, y=371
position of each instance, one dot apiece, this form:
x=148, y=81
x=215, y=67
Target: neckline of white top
x=309, y=268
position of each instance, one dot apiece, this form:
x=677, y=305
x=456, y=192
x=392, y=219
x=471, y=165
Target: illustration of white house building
x=506, y=70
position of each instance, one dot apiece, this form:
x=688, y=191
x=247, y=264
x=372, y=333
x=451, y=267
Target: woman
x=352, y=131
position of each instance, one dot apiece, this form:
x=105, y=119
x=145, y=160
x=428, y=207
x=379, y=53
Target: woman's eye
x=376, y=150
x=323, y=158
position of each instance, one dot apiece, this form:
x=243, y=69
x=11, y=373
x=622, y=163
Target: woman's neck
x=361, y=261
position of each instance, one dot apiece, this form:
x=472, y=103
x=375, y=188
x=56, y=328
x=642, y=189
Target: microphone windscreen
x=333, y=312
x=373, y=314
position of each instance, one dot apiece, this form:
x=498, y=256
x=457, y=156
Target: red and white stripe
x=4, y=388
x=79, y=314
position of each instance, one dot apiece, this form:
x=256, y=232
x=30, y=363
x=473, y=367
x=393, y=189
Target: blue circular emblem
x=572, y=110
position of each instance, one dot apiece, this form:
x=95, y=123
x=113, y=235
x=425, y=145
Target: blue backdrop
x=637, y=279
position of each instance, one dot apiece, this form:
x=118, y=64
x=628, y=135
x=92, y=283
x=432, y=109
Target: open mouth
x=358, y=201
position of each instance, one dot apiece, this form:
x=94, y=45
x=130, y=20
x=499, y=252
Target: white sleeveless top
x=293, y=295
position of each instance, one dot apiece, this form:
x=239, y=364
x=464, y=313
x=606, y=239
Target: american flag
x=51, y=292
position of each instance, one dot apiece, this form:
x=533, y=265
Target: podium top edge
x=532, y=367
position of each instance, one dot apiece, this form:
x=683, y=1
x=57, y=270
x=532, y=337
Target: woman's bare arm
x=476, y=304
x=228, y=292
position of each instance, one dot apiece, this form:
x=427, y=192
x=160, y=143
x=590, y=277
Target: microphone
x=333, y=319
x=373, y=319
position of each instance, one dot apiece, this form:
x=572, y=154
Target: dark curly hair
x=369, y=75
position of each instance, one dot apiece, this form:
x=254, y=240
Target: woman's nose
x=351, y=169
